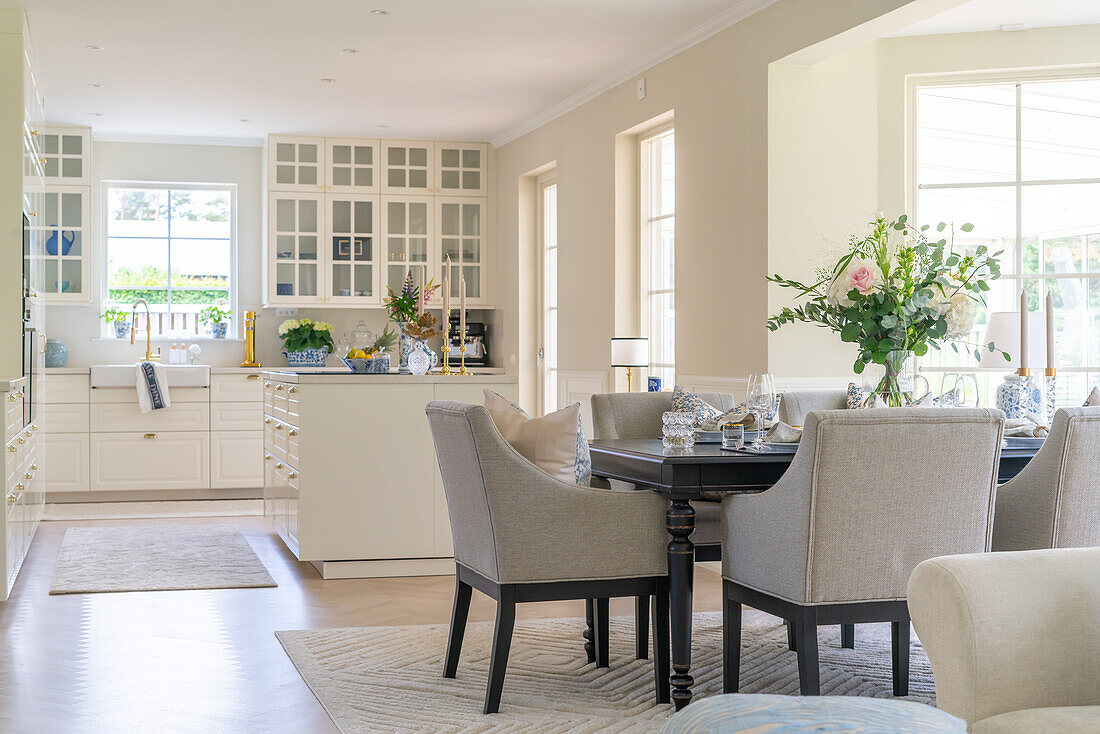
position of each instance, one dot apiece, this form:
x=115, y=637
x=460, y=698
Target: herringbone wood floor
x=202, y=661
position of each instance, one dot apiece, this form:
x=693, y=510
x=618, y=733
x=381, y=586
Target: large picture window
x=658, y=175
x=173, y=246
x=1020, y=159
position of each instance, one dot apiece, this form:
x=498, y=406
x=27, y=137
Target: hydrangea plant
x=299, y=335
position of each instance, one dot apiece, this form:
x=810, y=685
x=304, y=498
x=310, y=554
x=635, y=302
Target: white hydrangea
x=837, y=295
x=961, y=313
x=287, y=326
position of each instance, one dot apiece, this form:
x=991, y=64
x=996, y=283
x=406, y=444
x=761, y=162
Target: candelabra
x=462, y=350
x=446, y=370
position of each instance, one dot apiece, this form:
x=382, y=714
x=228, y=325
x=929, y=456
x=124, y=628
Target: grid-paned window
x=1020, y=159
x=548, y=236
x=658, y=175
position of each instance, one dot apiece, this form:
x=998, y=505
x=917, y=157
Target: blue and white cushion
x=688, y=402
x=858, y=394
x=1094, y=398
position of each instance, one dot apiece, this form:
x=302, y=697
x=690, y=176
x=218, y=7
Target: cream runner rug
x=389, y=679
x=156, y=558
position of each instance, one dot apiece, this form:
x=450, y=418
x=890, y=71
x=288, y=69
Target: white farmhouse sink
x=125, y=375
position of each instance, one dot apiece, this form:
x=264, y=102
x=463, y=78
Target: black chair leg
x=791, y=644
x=899, y=638
x=589, y=633
x=848, y=636
x=805, y=635
x=641, y=627
x=502, y=642
x=731, y=642
x=458, y=628
x=603, y=625
x=661, y=651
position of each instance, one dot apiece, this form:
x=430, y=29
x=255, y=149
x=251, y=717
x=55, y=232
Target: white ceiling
x=442, y=69
x=990, y=15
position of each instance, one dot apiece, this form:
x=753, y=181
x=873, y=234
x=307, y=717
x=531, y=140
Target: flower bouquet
x=306, y=343
x=895, y=293
x=407, y=308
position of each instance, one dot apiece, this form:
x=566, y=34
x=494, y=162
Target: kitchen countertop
x=318, y=377
x=233, y=370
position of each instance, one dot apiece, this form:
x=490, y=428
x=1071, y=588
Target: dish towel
x=152, y=387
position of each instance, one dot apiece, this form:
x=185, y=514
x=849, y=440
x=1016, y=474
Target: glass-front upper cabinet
x=295, y=163
x=294, y=228
x=352, y=165
x=461, y=169
x=59, y=239
x=408, y=167
x=461, y=225
x=407, y=235
x=352, y=242
x=65, y=154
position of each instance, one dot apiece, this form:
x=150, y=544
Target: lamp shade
x=629, y=351
x=1003, y=330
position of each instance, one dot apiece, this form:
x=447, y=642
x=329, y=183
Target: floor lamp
x=629, y=352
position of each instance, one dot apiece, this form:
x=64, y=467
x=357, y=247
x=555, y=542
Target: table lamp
x=629, y=352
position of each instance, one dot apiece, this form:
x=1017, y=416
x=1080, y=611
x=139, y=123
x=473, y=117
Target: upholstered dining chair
x=1054, y=502
x=868, y=495
x=796, y=404
x=521, y=535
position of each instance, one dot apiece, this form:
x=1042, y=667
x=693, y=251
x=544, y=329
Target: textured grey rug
x=389, y=679
x=156, y=558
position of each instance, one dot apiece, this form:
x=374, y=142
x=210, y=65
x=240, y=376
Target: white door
x=66, y=154
x=126, y=461
x=60, y=235
x=461, y=169
x=351, y=250
x=295, y=164
x=460, y=223
x=353, y=166
x=547, y=356
x=236, y=459
x=409, y=167
x=408, y=227
x=295, y=226
x=67, y=462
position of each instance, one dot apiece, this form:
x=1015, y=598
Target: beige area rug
x=390, y=679
x=156, y=558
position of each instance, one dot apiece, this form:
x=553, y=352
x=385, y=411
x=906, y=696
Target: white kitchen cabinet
x=60, y=233
x=236, y=416
x=236, y=387
x=236, y=458
x=408, y=233
x=65, y=154
x=351, y=252
x=127, y=417
x=409, y=167
x=295, y=163
x=295, y=227
x=154, y=460
x=461, y=225
x=353, y=166
x=67, y=457
x=461, y=169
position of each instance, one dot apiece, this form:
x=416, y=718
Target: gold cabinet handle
x=267, y=421
x=34, y=132
x=12, y=498
x=252, y=377
x=34, y=427
x=28, y=475
x=292, y=475
x=278, y=465
x=267, y=384
x=27, y=433
x=20, y=487
x=293, y=432
x=278, y=426
x=34, y=467
x=12, y=398
x=278, y=387
x=20, y=440
x=12, y=449
x=293, y=389
x=150, y=436
x=267, y=457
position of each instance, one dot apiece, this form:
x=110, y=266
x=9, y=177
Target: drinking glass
x=733, y=436
x=761, y=401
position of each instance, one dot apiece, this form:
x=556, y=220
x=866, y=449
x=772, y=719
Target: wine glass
x=761, y=401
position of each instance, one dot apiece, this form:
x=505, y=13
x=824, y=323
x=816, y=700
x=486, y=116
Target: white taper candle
x=1023, y=329
x=1050, y=330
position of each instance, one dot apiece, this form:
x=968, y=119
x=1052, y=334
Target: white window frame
x=645, y=140
x=547, y=373
x=235, y=321
x=914, y=83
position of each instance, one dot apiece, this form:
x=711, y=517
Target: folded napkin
x=736, y=416
x=1029, y=426
x=782, y=433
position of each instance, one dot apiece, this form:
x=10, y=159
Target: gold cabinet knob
x=34, y=467
x=278, y=465
x=267, y=421
x=12, y=449
x=34, y=427
x=12, y=398
x=279, y=387
x=293, y=432
x=34, y=132
x=150, y=436
x=278, y=426
x=20, y=487
x=21, y=440
x=267, y=457
x=293, y=475
x=12, y=498
x=293, y=389
x=27, y=433
x=267, y=384
x=28, y=475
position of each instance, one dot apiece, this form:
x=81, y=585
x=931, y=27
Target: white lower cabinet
x=236, y=459
x=67, y=457
x=163, y=460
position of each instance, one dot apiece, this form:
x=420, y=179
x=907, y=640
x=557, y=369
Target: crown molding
x=176, y=140
x=700, y=33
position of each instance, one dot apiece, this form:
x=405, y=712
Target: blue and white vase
x=1018, y=397
x=218, y=329
x=57, y=354
x=307, y=357
x=405, y=345
x=422, y=359
x=122, y=329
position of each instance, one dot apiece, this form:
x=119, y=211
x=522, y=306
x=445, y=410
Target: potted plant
x=407, y=307
x=895, y=293
x=116, y=319
x=218, y=318
x=306, y=343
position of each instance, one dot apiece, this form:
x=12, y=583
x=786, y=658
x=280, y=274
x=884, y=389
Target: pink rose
x=861, y=277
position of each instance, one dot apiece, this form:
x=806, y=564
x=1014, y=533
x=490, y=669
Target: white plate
x=1023, y=442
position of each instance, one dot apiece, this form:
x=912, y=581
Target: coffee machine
x=477, y=344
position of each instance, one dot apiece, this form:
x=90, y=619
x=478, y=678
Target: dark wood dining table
x=681, y=476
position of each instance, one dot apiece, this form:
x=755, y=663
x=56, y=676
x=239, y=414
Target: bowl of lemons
x=372, y=359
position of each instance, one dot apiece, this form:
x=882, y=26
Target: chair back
x=797, y=403
x=891, y=487
x=638, y=414
x=1060, y=507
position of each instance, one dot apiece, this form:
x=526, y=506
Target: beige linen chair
x=1013, y=638
x=521, y=535
x=796, y=404
x=1054, y=502
x=869, y=495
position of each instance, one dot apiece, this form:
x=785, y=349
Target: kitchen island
x=351, y=483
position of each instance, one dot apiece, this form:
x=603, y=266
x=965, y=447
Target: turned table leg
x=680, y=521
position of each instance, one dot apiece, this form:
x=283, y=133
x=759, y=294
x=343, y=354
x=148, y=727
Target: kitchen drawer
x=241, y=387
x=236, y=459
x=67, y=457
x=129, y=394
x=127, y=417
x=66, y=417
x=236, y=416
x=67, y=388
x=171, y=460
x=13, y=414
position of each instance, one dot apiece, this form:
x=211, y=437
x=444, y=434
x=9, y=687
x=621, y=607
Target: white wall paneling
x=578, y=386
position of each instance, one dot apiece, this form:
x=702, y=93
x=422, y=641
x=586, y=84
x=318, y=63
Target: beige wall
x=11, y=193
x=719, y=92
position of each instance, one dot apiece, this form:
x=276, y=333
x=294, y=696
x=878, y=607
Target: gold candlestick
x=446, y=349
x=462, y=350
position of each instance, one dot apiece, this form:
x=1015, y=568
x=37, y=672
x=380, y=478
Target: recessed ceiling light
x=383, y=126
x=97, y=114
x=328, y=80
x=94, y=47
x=244, y=119
x=379, y=11
x=94, y=85
x=350, y=50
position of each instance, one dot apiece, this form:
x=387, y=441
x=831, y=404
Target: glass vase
x=890, y=384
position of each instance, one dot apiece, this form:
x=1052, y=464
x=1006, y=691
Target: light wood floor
x=202, y=661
